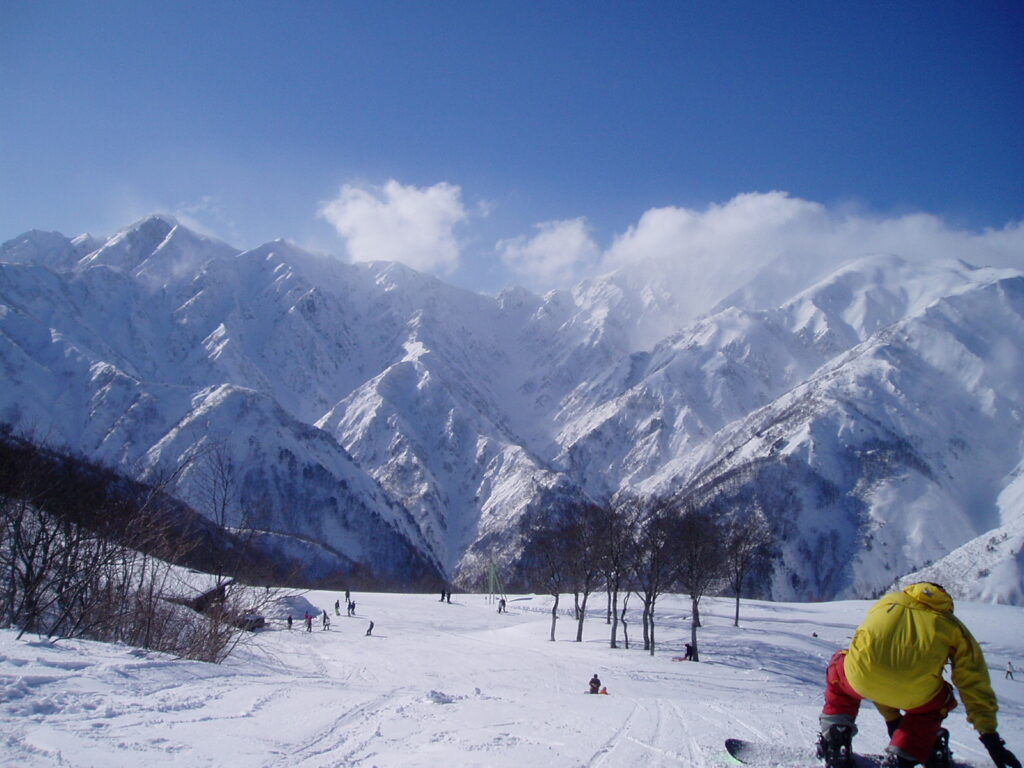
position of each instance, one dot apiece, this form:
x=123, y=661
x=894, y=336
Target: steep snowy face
x=875, y=465
x=374, y=417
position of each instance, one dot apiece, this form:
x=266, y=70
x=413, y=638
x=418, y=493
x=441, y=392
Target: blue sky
x=323, y=121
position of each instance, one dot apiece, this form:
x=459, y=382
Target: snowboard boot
x=835, y=746
x=940, y=757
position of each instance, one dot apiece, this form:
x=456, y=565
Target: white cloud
x=555, y=257
x=413, y=225
x=702, y=256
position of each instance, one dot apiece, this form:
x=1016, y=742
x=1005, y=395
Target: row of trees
x=86, y=553
x=643, y=548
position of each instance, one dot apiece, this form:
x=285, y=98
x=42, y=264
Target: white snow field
x=461, y=685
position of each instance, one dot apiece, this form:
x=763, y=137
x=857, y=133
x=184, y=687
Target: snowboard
x=765, y=755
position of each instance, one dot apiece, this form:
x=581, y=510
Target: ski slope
x=460, y=685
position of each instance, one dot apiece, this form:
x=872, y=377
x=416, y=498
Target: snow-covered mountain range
x=369, y=414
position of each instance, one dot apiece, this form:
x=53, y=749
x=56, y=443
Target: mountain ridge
x=880, y=399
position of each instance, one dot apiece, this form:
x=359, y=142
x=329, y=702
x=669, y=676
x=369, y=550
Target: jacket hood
x=932, y=595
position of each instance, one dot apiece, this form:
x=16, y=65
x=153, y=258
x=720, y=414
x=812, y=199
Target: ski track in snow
x=458, y=685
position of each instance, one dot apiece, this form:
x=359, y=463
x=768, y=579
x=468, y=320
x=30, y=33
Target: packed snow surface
x=461, y=685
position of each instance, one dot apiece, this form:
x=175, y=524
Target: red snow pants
x=919, y=726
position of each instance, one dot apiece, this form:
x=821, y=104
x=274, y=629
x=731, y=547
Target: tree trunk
x=651, y=619
x=647, y=629
x=614, y=602
x=608, y=613
x=694, y=623
x=626, y=631
x=554, y=618
x=736, y=621
x=582, y=611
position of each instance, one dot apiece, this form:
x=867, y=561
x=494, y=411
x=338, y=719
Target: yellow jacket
x=897, y=655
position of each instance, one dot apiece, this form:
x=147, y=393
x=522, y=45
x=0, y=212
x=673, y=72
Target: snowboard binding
x=835, y=746
x=940, y=757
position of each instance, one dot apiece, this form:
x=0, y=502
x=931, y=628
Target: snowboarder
x=895, y=659
x=595, y=684
x=1009, y=671
x=337, y=607
x=369, y=629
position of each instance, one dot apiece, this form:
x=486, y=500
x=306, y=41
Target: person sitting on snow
x=595, y=684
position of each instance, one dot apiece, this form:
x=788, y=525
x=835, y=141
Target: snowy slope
x=461, y=685
x=875, y=414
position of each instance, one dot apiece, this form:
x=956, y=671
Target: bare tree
x=547, y=561
x=747, y=550
x=584, y=548
x=701, y=555
x=653, y=559
x=614, y=560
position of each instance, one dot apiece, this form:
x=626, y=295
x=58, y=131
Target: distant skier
x=501, y=605
x=337, y=607
x=443, y=593
x=369, y=629
x=449, y=597
x=309, y=622
x=1009, y=671
x=353, y=608
x=289, y=623
x=327, y=621
x=895, y=659
x=595, y=684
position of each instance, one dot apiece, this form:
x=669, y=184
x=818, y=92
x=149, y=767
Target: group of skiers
x=325, y=617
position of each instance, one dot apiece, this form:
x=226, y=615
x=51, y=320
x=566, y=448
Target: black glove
x=1001, y=756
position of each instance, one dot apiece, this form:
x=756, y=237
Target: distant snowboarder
x=337, y=607
x=595, y=684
